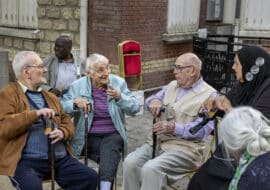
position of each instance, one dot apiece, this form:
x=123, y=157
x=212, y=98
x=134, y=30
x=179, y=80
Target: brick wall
x=111, y=22
x=55, y=17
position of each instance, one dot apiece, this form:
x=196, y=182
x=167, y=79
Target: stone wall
x=55, y=17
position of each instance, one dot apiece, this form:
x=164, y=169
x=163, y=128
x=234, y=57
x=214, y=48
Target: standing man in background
x=62, y=67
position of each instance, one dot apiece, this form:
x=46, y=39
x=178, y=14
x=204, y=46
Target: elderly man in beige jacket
x=178, y=151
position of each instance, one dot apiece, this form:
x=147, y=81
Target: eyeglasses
x=179, y=68
x=102, y=70
x=41, y=66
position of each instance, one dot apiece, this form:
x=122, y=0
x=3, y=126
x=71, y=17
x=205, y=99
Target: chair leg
x=112, y=185
x=98, y=181
x=115, y=182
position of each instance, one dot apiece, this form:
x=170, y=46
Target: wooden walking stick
x=52, y=160
x=50, y=127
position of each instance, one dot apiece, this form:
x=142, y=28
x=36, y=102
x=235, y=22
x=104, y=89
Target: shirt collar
x=196, y=86
x=24, y=88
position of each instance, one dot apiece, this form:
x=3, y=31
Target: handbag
x=219, y=166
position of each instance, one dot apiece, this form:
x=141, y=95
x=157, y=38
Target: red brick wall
x=111, y=22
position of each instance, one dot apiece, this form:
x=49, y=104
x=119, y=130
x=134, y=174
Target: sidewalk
x=138, y=127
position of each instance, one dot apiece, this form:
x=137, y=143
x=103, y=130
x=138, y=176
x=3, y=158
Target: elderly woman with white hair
x=246, y=137
x=110, y=99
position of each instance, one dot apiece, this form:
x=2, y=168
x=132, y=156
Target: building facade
x=164, y=28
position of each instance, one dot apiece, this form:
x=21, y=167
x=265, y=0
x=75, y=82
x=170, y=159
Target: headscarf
x=255, y=63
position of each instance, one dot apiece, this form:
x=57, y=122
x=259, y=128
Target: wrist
x=172, y=126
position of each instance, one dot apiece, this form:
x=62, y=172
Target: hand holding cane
x=85, y=107
x=154, y=134
x=50, y=127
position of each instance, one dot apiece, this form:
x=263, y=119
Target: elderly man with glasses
x=178, y=151
x=26, y=153
x=111, y=100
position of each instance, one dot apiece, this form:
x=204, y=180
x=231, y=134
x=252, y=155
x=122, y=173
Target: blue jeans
x=70, y=174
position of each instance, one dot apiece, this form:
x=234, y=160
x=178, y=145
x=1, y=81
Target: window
x=256, y=15
x=182, y=20
x=18, y=14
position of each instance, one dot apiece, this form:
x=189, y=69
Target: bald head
x=187, y=69
x=190, y=59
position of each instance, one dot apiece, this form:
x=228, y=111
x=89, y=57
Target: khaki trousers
x=141, y=172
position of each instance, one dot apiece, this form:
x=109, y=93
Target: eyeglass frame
x=41, y=66
x=179, y=68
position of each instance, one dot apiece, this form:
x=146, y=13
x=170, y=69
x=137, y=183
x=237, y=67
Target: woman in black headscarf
x=252, y=67
x=252, y=70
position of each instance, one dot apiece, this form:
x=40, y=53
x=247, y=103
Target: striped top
x=102, y=121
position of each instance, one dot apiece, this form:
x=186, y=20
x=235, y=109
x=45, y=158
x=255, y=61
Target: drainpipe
x=237, y=18
x=83, y=29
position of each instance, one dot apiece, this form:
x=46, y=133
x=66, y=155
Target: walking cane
x=52, y=161
x=49, y=128
x=155, y=135
x=86, y=133
x=154, y=140
x=85, y=137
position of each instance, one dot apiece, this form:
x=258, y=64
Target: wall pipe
x=83, y=29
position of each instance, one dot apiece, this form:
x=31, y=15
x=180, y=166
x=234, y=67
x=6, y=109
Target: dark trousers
x=70, y=174
x=106, y=150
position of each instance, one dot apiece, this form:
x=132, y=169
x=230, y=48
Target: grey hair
x=93, y=59
x=21, y=60
x=245, y=128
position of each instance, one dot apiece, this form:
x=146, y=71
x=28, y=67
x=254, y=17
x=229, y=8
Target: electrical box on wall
x=214, y=10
